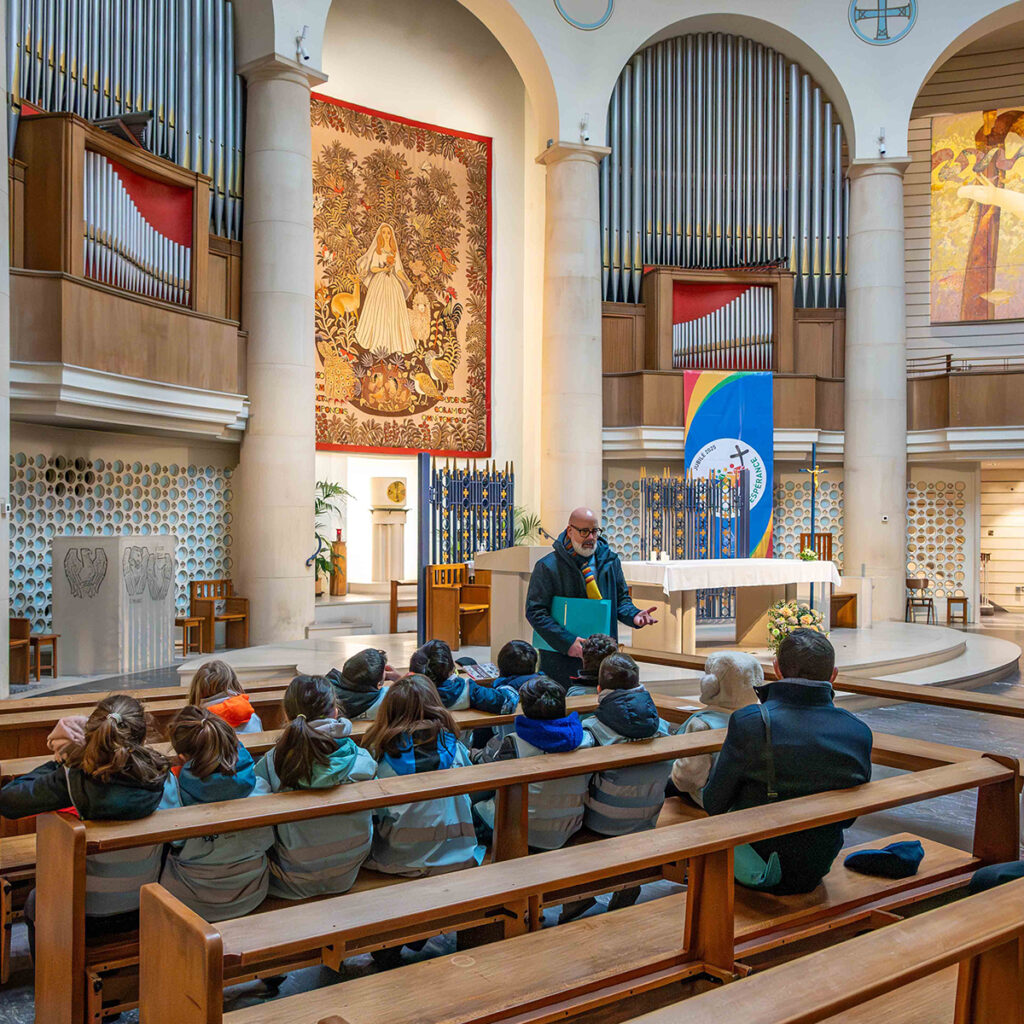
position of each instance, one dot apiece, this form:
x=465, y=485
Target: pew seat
x=928, y=1001
x=604, y=949
x=17, y=875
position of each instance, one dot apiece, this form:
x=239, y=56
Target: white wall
x=1002, y=533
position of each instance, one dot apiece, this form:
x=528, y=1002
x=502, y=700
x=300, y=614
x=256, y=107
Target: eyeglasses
x=587, y=531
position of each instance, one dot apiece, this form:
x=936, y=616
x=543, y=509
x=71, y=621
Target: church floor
x=947, y=819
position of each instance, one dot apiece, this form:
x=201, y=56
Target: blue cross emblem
x=881, y=24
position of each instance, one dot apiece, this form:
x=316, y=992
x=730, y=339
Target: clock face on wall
x=396, y=492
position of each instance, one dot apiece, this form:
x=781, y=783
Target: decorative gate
x=471, y=510
x=697, y=518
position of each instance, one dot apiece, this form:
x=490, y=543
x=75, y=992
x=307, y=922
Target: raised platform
x=891, y=651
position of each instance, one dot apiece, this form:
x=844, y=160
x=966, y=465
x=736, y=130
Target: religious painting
x=977, y=216
x=401, y=223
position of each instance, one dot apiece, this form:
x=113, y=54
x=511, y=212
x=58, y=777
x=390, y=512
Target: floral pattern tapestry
x=401, y=222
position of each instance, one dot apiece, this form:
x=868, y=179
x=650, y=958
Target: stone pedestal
x=388, y=544
x=571, y=386
x=113, y=602
x=875, y=445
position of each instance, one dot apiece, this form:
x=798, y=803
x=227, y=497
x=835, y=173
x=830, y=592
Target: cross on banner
x=883, y=14
x=739, y=453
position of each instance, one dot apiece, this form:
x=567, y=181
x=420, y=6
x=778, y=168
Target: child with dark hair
x=434, y=660
x=360, y=685
x=595, y=649
x=225, y=875
x=315, y=751
x=621, y=801
x=517, y=664
x=215, y=686
x=556, y=806
x=412, y=733
x=103, y=768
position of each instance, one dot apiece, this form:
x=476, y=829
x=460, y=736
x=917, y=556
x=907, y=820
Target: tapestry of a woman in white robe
x=384, y=319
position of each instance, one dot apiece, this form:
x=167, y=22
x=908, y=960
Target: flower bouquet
x=785, y=616
x=808, y=555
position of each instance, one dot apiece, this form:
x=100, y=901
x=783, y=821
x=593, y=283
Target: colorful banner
x=402, y=226
x=730, y=426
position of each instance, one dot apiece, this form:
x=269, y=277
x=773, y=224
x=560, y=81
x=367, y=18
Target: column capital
x=559, y=151
x=274, y=65
x=864, y=168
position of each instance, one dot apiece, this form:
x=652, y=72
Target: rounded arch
x=511, y=31
x=757, y=29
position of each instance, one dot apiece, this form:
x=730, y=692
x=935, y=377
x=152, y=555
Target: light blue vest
x=221, y=876
x=323, y=855
x=624, y=800
x=555, y=806
x=112, y=880
x=425, y=838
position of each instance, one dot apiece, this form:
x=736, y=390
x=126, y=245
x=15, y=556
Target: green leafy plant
x=526, y=526
x=329, y=500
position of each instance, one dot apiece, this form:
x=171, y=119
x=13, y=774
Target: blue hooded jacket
x=226, y=875
x=559, y=575
x=459, y=694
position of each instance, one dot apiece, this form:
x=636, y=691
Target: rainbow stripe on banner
x=730, y=426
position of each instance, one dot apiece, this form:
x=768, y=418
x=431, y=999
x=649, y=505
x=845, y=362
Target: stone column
x=273, y=492
x=5, y=373
x=875, y=448
x=571, y=415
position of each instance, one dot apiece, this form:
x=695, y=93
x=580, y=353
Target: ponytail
x=300, y=747
x=206, y=741
x=114, y=744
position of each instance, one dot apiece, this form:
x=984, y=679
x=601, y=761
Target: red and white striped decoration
x=722, y=326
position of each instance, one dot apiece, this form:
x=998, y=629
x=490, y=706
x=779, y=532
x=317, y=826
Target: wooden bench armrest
x=236, y=605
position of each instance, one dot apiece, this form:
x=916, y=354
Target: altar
x=671, y=587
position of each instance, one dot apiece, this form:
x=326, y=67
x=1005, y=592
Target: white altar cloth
x=705, y=574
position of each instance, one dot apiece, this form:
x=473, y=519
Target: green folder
x=580, y=616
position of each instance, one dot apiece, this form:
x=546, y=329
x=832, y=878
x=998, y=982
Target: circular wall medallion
x=396, y=492
x=585, y=15
x=880, y=22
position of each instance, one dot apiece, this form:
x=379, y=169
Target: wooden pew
x=938, y=696
x=204, y=596
x=702, y=932
x=974, y=942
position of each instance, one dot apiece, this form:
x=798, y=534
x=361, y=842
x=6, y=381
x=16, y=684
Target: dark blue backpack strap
x=769, y=754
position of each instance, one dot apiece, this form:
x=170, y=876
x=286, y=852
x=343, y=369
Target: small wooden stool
x=189, y=623
x=36, y=643
x=961, y=603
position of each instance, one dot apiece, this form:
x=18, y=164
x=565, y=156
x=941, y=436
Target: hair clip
x=115, y=717
x=297, y=717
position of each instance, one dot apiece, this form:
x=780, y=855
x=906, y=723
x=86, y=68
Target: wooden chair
x=822, y=545
x=458, y=612
x=204, y=598
x=702, y=931
x=916, y=598
x=400, y=609
x=37, y=642
x=954, y=615
x=20, y=640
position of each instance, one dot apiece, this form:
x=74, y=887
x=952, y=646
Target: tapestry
x=401, y=223
x=977, y=216
x=730, y=426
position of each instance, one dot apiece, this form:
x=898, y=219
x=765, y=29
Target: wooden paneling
x=58, y=318
x=928, y=403
x=225, y=283
x=16, y=211
x=622, y=336
x=819, y=342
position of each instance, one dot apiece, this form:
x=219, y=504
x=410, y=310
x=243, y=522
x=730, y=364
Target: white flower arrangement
x=785, y=616
x=808, y=555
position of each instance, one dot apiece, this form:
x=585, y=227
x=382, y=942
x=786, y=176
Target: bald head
x=583, y=530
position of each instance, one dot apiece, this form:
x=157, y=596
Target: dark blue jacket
x=816, y=747
x=559, y=575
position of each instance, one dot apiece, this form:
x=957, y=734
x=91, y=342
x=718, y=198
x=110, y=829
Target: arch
x=506, y=24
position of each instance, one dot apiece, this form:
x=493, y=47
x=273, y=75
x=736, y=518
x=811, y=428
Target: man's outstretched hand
x=642, y=619
x=576, y=651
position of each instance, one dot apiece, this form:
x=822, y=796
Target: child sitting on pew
x=103, y=770
x=315, y=751
x=556, y=806
x=621, y=801
x=360, y=685
x=413, y=732
x=727, y=685
x=217, y=876
x=595, y=649
x=216, y=688
x=434, y=660
x=517, y=664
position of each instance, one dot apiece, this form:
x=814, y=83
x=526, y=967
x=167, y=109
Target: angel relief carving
x=85, y=569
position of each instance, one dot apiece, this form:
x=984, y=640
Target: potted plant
x=329, y=500
x=526, y=526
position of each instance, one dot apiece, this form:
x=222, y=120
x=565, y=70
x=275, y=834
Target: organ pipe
x=724, y=154
x=172, y=58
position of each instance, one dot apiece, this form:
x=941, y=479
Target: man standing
x=582, y=565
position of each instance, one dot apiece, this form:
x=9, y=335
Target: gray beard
x=581, y=550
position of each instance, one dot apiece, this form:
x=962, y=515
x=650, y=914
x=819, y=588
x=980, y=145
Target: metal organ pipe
x=174, y=58
x=724, y=154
